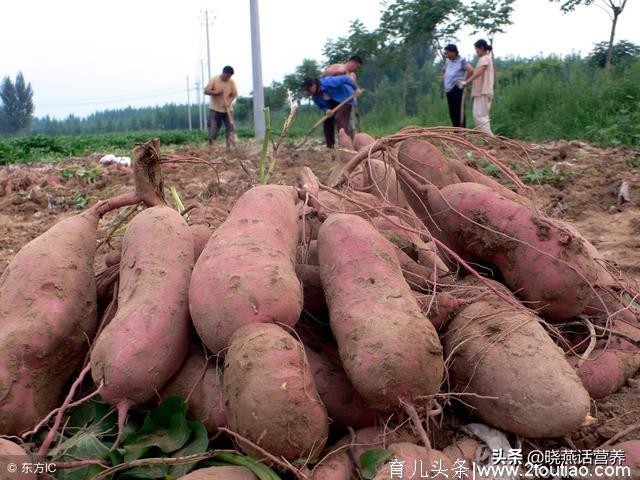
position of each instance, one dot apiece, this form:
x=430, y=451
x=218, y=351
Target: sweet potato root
x=201, y=235
x=543, y=263
x=47, y=319
x=246, y=273
x=309, y=276
x=345, y=406
x=495, y=350
x=416, y=460
x=11, y=453
x=338, y=464
x=389, y=350
x=200, y=383
x=270, y=395
x=605, y=372
x=157, y=259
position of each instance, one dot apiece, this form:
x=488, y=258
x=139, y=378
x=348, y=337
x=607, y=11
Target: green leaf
x=83, y=446
x=372, y=460
x=198, y=443
x=165, y=427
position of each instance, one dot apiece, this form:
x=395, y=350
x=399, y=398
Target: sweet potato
x=47, y=318
x=605, y=372
x=361, y=140
x=338, y=464
x=470, y=175
x=380, y=180
x=345, y=406
x=416, y=462
x=11, y=453
x=221, y=473
x=246, y=273
x=112, y=258
x=200, y=383
x=389, y=350
x=148, y=340
x=421, y=158
x=313, y=294
x=496, y=350
x=270, y=395
x=438, y=308
x=631, y=449
x=545, y=264
x=201, y=235
x=344, y=140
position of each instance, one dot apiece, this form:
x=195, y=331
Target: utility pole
x=256, y=62
x=204, y=98
x=189, y=103
x=206, y=24
x=198, y=92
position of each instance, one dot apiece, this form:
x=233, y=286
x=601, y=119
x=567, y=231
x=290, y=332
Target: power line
x=158, y=93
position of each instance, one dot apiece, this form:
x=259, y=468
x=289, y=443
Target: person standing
x=327, y=93
x=456, y=70
x=223, y=91
x=482, y=89
x=349, y=68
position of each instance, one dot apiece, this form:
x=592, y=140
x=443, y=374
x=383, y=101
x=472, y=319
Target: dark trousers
x=216, y=119
x=341, y=119
x=454, y=99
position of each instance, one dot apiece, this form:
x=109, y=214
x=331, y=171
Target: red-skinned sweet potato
x=338, y=464
x=246, y=273
x=387, y=356
x=606, y=371
x=416, y=462
x=345, y=406
x=309, y=276
x=11, y=455
x=361, y=140
x=631, y=449
x=148, y=340
x=201, y=235
x=546, y=265
x=47, y=318
x=270, y=395
x=495, y=350
x=200, y=382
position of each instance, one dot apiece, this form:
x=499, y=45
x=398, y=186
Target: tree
x=17, y=104
x=488, y=16
x=293, y=81
x=409, y=23
x=613, y=8
x=622, y=51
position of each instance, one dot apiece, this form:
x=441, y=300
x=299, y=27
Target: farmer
x=349, y=68
x=327, y=93
x=223, y=92
x=482, y=90
x=456, y=70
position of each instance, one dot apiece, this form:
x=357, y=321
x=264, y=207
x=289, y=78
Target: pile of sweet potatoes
x=313, y=314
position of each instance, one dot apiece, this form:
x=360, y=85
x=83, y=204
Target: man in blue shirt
x=456, y=70
x=327, y=93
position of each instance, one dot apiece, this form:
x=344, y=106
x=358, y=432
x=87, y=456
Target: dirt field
x=582, y=190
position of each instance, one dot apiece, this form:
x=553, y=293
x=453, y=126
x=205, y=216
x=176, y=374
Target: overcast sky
x=83, y=56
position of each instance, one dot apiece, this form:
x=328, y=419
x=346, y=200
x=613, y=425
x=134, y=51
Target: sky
x=84, y=56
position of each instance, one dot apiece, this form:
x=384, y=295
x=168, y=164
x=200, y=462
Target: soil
x=580, y=188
